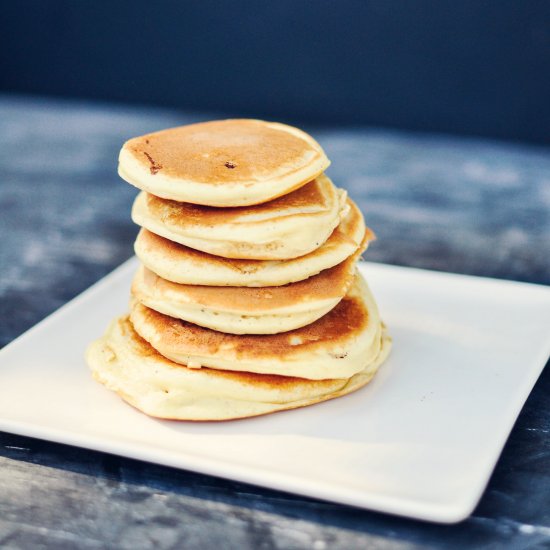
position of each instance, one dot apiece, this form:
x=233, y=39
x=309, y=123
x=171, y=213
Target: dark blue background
x=468, y=67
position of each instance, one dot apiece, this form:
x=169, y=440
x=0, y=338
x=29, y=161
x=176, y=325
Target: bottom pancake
x=128, y=365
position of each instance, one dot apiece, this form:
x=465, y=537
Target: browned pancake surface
x=187, y=214
x=329, y=284
x=347, y=319
x=180, y=252
x=221, y=152
x=144, y=349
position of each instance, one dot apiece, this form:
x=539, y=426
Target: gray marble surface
x=437, y=202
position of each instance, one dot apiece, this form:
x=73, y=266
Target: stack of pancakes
x=248, y=300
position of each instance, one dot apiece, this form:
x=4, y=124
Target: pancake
x=128, y=365
x=247, y=310
x=338, y=345
x=287, y=227
x=222, y=163
x=181, y=264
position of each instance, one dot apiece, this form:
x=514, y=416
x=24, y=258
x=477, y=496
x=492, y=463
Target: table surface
x=437, y=202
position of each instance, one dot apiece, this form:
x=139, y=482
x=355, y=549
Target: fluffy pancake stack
x=248, y=300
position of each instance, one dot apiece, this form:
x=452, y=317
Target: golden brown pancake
x=181, y=264
x=247, y=310
x=222, y=163
x=338, y=345
x=284, y=228
x=128, y=365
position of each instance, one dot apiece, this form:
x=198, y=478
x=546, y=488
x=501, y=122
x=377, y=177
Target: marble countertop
x=437, y=202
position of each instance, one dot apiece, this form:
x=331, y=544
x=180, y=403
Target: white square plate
x=420, y=440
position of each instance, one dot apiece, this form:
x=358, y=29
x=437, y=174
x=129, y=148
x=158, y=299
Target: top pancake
x=222, y=163
x=290, y=226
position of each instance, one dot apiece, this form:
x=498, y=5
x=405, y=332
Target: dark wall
x=471, y=67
